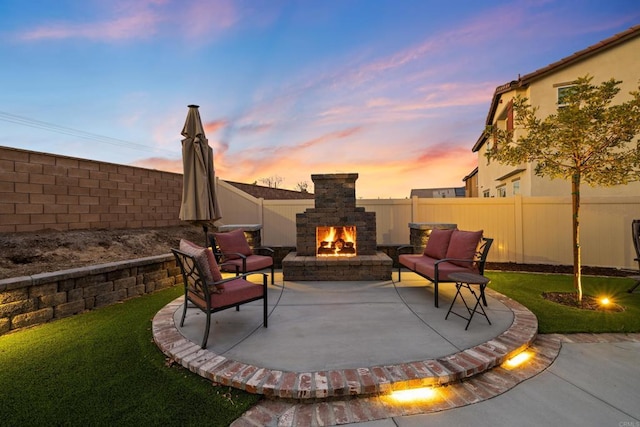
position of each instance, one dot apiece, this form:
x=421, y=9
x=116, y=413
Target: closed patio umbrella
x=199, y=202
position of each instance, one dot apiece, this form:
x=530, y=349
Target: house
x=471, y=184
x=438, y=193
x=270, y=193
x=616, y=57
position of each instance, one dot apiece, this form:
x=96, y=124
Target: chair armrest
x=405, y=249
x=230, y=279
x=237, y=254
x=265, y=250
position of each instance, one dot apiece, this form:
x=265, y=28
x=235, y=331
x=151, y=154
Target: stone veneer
x=31, y=300
x=335, y=205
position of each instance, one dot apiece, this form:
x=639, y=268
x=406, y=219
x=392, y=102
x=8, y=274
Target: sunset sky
x=395, y=90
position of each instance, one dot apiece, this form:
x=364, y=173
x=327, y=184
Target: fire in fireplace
x=336, y=241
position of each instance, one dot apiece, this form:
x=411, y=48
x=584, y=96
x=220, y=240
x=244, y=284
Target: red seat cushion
x=463, y=245
x=233, y=242
x=409, y=260
x=438, y=243
x=236, y=291
x=444, y=269
x=254, y=262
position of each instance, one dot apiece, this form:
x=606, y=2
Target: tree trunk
x=575, y=199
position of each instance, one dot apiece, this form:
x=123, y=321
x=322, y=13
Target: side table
x=468, y=281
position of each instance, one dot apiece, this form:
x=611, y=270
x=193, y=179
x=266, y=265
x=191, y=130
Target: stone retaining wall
x=31, y=300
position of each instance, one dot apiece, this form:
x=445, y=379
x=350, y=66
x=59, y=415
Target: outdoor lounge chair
x=635, y=230
x=218, y=294
x=236, y=256
x=447, y=252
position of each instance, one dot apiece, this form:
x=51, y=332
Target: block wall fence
x=46, y=191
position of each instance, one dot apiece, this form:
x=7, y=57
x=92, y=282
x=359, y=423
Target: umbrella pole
x=206, y=235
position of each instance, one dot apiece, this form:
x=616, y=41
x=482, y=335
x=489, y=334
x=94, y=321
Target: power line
x=38, y=124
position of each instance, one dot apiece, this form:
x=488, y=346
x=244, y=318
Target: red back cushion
x=438, y=243
x=463, y=245
x=233, y=241
x=205, y=259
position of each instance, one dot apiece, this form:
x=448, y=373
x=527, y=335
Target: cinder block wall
x=47, y=191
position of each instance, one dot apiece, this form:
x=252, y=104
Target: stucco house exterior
x=616, y=57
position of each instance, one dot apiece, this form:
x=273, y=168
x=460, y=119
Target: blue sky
x=395, y=90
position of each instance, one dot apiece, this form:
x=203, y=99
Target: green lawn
x=102, y=368
x=527, y=289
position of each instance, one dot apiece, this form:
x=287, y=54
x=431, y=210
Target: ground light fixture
x=605, y=301
x=518, y=359
x=413, y=394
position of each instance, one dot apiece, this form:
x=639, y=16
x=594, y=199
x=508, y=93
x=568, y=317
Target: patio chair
x=205, y=288
x=236, y=256
x=635, y=230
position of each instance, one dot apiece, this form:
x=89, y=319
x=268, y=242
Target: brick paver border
x=339, y=384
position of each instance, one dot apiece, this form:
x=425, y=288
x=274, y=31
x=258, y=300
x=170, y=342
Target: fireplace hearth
x=336, y=240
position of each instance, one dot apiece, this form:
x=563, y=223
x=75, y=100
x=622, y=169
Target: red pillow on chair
x=438, y=243
x=463, y=245
x=233, y=241
x=205, y=259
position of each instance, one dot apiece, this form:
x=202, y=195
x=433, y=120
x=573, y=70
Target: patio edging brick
x=363, y=381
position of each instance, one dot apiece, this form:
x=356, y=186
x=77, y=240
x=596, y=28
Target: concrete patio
x=335, y=339
x=335, y=352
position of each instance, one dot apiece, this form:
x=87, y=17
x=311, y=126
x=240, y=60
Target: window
x=516, y=186
x=563, y=90
x=502, y=191
x=485, y=193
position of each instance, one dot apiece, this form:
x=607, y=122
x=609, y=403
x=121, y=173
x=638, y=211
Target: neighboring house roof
x=525, y=80
x=471, y=174
x=269, y=193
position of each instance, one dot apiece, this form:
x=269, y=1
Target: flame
x=336, y=241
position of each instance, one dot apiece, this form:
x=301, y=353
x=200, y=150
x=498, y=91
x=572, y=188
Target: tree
x=302, y=186
x=272, y=181
x=587, y=140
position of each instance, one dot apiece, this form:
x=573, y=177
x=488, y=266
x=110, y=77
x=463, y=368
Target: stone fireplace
x=336, y=240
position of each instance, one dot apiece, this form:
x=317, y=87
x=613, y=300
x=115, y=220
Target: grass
x=102, y=368
x=527, y=289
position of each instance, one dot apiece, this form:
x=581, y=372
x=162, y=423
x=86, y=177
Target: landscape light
x=605, y=301
x=519, y=359
x=423, y=393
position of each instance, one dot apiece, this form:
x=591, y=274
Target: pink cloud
x=137, y=20
x=214, y=126
x=160, y=163
x=142, y=19
x=200, y=17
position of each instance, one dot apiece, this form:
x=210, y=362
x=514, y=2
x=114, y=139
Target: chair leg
x=184, y=312
x=435, y=291
x=634, y=286
x=264, y=302
x=206, y=330
x=272, y=275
